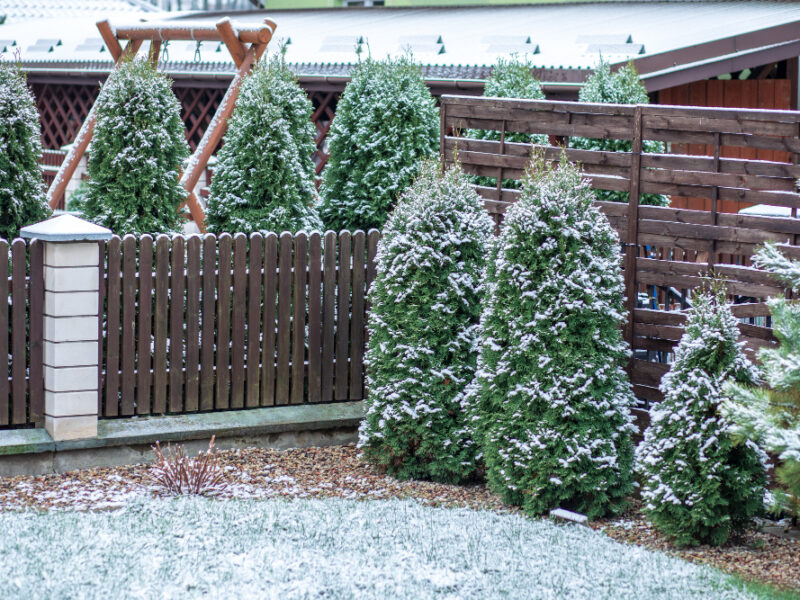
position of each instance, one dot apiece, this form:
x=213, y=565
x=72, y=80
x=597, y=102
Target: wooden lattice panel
x=62, y=110
x=324, y=110
x=198, y=106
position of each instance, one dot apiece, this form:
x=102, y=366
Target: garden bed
x=314, y=473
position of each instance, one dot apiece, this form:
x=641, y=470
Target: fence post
x=71, y=313
x=632, y=234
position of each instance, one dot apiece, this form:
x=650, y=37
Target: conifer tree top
x=620, y=87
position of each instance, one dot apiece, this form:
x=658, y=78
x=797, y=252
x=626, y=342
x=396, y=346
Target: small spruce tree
x=136, y=153
x=551, y=398
x=22, y=196
x=698, y=485
x=422, y=330
x=771, y=414
x=264, y=179
x=386, y=124
x=510, y=78
x=620, y=87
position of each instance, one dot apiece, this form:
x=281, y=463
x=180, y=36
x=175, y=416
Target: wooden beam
x=155, y=51
x=247, y=34
x=112, y=43
x=235, y=47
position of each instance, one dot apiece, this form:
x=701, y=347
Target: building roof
x=562, y=41
x=20, y=11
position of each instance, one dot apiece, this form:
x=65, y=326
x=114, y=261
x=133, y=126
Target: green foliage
x=22, y=196
x=551, y=397
x=423, y=327
x=264, y=180
x=699, y=484
x=510, y=78
x=771, y=414
x=386, y=124
x=621, y=87
x=136, y=154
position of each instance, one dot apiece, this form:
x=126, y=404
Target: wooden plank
x=160, y=323
x=5, y=375
x=284, y=317
x=750, y=309
x=651, y=394
x=620, y=132
x=709, y=180
x=19, y=313
x=358, y=321
x=710, y=232
x=537, y=105
x=191, y=401
x=238, y=323
x=763, y=166
x=113, y=293
x=144, y=325
x=225, y=245
x=314, y=317
x=268, y=320
x=176, y=321
x=647, y=373
x=254, y=301
x=343, y=312
x=328, y=315
x=299, y=319
x=705, y=113
x=542, y=118
x=128, y=325
x=207, y=372
x=36, y=326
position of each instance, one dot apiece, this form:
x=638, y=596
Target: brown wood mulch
x=338, y=472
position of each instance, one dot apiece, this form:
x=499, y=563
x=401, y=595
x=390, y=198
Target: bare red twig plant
x=176, y=474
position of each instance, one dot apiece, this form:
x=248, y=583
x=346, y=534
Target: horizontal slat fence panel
x=202, y=323
x=751, y=158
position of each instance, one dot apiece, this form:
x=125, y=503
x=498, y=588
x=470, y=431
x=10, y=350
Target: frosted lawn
x=192, y=547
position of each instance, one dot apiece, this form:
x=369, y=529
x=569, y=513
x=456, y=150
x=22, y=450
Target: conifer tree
x=551, y=397
x=510, y=78
x=423, y=327
x=386, y=123
x=264, y=179
x=620, y=87
x=136, y=153
x=771, y=414
x=699, y=486
x=22, y=196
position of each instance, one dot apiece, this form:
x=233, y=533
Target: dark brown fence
x=21, y=332
x=667, y=251
x=205, y=323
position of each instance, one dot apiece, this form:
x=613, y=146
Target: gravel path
x=338, y=472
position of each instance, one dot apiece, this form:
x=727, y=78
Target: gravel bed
x=338, y=472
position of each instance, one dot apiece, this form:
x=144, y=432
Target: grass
x=189, y=547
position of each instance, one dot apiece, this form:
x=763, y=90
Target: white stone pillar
x=71, y=326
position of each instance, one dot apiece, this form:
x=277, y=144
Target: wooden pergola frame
x=246, y=44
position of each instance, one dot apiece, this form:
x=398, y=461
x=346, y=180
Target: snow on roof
x=19, y=11
x=452, y=42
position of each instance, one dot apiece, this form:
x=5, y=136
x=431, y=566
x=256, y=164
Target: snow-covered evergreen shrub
x=386, y=124
x=698, y=485
x=621, y=87
x=22, y=197
x=551, y=397
x=423, y=328
x=264, y=179
x=136, y=153
x=510, y=78
x=771, y=414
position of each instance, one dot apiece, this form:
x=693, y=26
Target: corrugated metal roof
x=464, y=40
x=20, y=11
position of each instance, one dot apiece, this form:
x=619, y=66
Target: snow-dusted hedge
x=620, y=87
x=264, y=180
x=22, y=196
x=136, y=153
x=551, y=397
x=423, y=328
x=386, y=123
x=698, y=485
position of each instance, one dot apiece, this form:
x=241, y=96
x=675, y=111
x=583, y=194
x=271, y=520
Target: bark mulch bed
x=338, y=472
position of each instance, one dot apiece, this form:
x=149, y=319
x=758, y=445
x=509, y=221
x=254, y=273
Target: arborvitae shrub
x=264, y=180
x=621, y=87
x=136, y=153
x=551, y=397
x=699, y=486
x=422, y=330
x=386, y=124
x=771, y=414
x=510, y=78
x=22, y=196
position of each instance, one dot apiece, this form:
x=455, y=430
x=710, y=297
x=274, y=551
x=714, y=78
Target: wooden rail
x=667, y=251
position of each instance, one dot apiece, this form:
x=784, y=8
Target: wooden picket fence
x=203, y=323
x=667, y=251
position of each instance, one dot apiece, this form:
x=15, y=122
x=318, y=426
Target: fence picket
x=160, y=325
x=254, y=301
x=284, y=314
x=268, y=320
x=176, y=320
x=223, y=320
x=207, y=374
x=343, y=326
x=299, y=319
x=191, y=398
x=314, y=317
x=328, y=315
x=128, y=325
x=144, y=326
x=5, y=376
x=357, y=319
x=36, y=325
x=113, y=297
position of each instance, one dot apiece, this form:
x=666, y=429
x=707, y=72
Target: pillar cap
x=65, y=228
